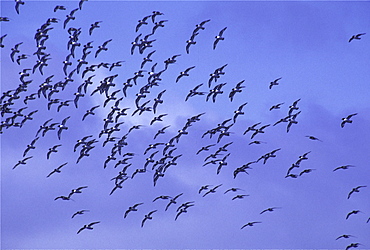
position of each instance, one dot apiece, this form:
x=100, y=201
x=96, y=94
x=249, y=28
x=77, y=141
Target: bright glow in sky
x=291, y=189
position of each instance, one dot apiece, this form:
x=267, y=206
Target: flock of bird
x=160, y=155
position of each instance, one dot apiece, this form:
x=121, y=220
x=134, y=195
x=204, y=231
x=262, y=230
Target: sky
x=303, y=45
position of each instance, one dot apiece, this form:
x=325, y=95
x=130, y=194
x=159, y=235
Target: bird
x=352, y=245
x=313, y=138
x=173, y=201
x=163, y=197
x=205, y=148
x=259, y=130
x=80, y=212
x=158, y=100
x=15, y=50
x=356, y=37
x=194, y=92
x=57, y=170
x=131, y=209
x=276, y=106
x=65, y=198
x=88, y=226
x=80, y=3
x=212, y=190
x=69, y=17
x=154, y=14
x=148, y=217
x=355, y=190
x=237, y=89
x=1, y=40
x=147, y=59
x=344, y=236
x=184, y=73
x=94, y=26
x=204, y=187
x=142, y=22
x=59, y=7
x=270, y=209
x=239, y=111
x=347, y=119
x=343, y=167
x=102, y=47
x=200, y=26
x=274, y=82
x=17, y=4
x=63, y=104
x=191, y=42
x=219, y=37
x=157, y=118
x=352, y=212
x=30, y=146
x=250, y=224
x=158, y=24
x=90, y=112
x=293, y=107
x=22, y=162
x=52, y=150
x=77, y=190
x=302, y=157
x=233, y=190
x=239, y=196
x=309, y=170
x=183, y=208
x=62, y=126
x=161, y=131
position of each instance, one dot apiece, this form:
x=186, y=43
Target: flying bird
x=22, y=162
x=239, y=111
x=274, y=83
x=173, y=201
x=52, y=150
x=347, y=119
x=131, y=209
x=250, y=224
x=270, y=209
x=77, y=190
x=355, y=190
x=343, y=167
x=57, y=170
x=142, y=22
x=191, y=42
x=79, y=213
x=62, y=127
x=59, y=7
x=356, y=37
x=352, y=245
x=69, y=17
x=88, y=226
x=219, y=38
x=30, y=146
x=212, y=190
x=276, y=106
x=147, y=217
x=94, y=26
x=344, y=236
x=184, y=73
x=200, y=26
x=14, y=51
x=352, y=212
x=17, y=4
x=313, y=138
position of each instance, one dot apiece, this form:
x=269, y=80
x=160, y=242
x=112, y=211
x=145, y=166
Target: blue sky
x=303, y=42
